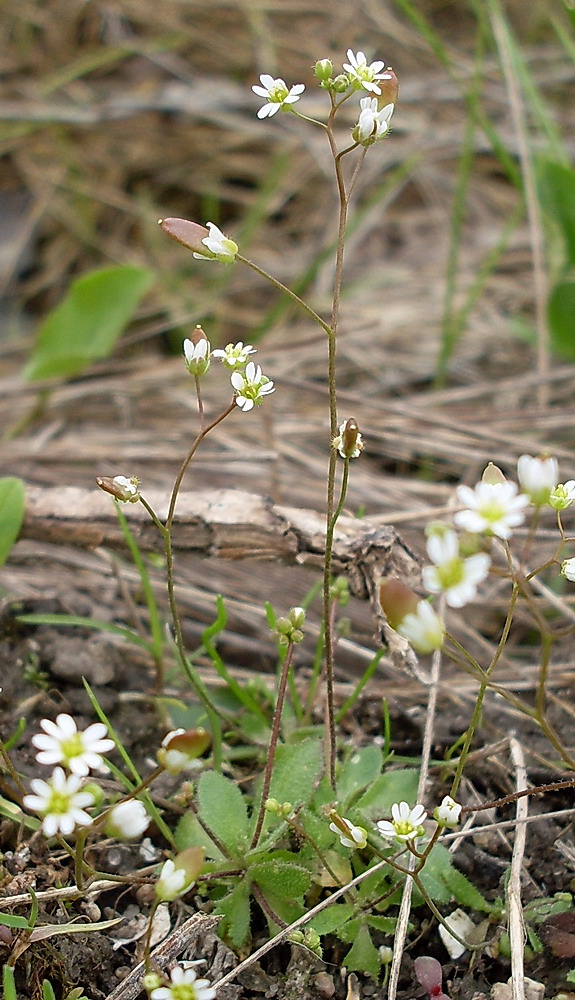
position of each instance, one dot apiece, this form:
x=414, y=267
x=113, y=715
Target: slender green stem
x=287, y=291
x=273, y=744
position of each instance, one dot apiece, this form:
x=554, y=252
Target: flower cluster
x=405, y=827
x=250, y=385
x=61, y=800
x=493, y=508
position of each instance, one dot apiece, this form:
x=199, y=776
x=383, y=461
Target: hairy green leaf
x=223, y=810
x=361, y=768
x=393, y=786
x=235, y=910
x=280, y=878
x=363, y=955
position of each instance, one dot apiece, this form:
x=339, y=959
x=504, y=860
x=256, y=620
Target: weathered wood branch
x=224, y=524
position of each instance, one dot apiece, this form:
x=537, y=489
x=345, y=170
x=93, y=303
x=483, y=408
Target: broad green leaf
x=11, y=514
x=363, y=956
x=556, y=185
x=361, y=768
x=386, y=924
x=332, y=918
x=12, y=920
x=281, y=879
x=393, y=786
x=296, y=767
x=561, y=312
x=235, y=910
x=223, y=809
x=87, y=323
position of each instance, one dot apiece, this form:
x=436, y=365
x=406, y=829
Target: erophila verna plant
x=323, y=841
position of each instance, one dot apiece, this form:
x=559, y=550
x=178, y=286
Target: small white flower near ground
x=364, y=75
x=350, y=836
x=276, y=95
x=251, y=387
x=126, y=489
x=491, y=508
x=184, y=985
x=176, y=877
x=60, y=802
x=538, y=477
x=127, y=820
x=218, y=246
x=448, y=813
x=406, y=823
x=62, y=743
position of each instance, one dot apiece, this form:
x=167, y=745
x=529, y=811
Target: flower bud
x=289, y=629
x=152, y=981
x=122, y=489
x=189, y=234
x=323, y=70
x=341, y=83
x=349, y=441
x=493, y=475
x=396, y=600
x=197, y=352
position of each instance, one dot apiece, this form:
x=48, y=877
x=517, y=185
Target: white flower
x=372, y=124
x=406, y=823
x=176, y=877
x=349, y=835
x=448, y=813
x=494, y=508
x=362, y=75
x=568, y=569
x=60, y=802
x=127, y=491
x=180, y=749
x=563, y=495
x=61, y=743
x=251, y=386
x=184, y=986
x=197, y=356
x=234, y=355
x=277, y=95
x=423, y=628
x=456, y=577
x=127, y=820
x=218, y=246
x=538, y=477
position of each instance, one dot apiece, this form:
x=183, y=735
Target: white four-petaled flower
x=349, y=835
x=448, y=813
x=251, y=386
x=218, y=246
x=127, y=489
x=456, y=577
x=491, y=508
x=538, y=477
x=127, y=820
x=568, y=569
x=363, y=74
x=60, y=802
x=563, y=495
x=423, y=628
x=62, y=743
x=372, y=124
x=197, y=356
x=276, y=94
x=234, y=355
x=184, y=986
x=406, y=823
